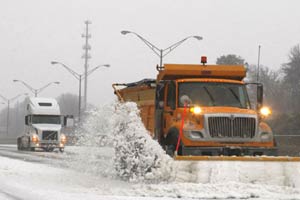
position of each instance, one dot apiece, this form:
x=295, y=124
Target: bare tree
x=68, y=104
x=291, y=71
x=273, y=87
x=230, y=59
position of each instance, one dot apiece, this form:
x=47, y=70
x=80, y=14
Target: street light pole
x=161, y=52
x=258, y=60
x=8, y=107
x=79, y=100
x=79, y=77
x=36, y=91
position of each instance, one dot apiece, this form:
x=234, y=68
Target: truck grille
x=232, y=127
x=49, y=135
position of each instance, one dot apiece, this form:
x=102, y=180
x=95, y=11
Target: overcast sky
x=35, y=32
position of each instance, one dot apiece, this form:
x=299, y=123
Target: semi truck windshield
x=214, y=94
x=46, y=119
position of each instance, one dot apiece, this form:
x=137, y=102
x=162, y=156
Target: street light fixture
x=36, y=91
x=161, y=52
x=8, y=104
x=79, y=77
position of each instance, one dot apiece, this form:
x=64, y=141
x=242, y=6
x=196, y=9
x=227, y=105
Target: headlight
x=196, y=110
x=265, y=111
x=35, y=138
x=63, y=138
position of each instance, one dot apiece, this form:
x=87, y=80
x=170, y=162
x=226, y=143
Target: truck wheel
x=18, y=144
x=49, y=149
x=171, y=142
x=61, y=150
x=28, y=147
x=21, y=144
x=32, y=148
x=275, y=142
x=162, y=142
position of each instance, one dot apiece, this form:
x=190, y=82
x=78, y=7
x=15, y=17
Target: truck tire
x=49, y=149
x=28, y=145
x=61, y=150
x=32, y=148
x=162, y=142
x=171, y=142
x=19, y=144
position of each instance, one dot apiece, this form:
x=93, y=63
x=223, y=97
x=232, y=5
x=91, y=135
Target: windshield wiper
x=235, y=96
x=210, y=96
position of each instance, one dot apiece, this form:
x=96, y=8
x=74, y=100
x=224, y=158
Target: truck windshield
x=214, y=94
x=46, y=119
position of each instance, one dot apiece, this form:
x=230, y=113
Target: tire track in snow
x=9, y=196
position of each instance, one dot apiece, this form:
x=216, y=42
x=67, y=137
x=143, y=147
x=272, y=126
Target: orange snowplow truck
x=203, y=108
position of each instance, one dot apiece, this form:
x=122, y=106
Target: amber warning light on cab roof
x=203, y=60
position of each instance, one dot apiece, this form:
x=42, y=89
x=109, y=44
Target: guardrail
x=8, y=140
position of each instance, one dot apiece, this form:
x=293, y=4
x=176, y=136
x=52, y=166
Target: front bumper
x=229, y=151
x=47, y=145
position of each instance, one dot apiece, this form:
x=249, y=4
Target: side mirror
x=26, y=120
x=184, y=99
x=260, y=96
x=68, y=121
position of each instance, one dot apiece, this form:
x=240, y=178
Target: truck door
x=169, y=106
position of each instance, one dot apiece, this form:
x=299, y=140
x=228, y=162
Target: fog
x=34, y=33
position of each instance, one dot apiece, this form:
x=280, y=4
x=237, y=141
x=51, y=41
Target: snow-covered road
x=33, y=176
x=128, y=164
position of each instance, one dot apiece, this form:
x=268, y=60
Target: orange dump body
x=143, y=95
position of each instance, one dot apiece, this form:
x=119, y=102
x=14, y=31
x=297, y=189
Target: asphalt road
x=287, y=145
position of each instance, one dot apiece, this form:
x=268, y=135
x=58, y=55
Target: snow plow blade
x=239, y=158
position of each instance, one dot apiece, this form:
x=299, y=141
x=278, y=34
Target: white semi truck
x=43, y=125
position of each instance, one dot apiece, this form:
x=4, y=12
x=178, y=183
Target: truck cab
x=43, y=126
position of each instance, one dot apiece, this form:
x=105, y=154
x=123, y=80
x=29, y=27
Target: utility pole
x=258, y=60
x=86, y=56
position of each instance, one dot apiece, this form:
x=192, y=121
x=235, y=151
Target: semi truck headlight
x=35, y=138
x=196, y=110
x=265, y=111
x=63, y=138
